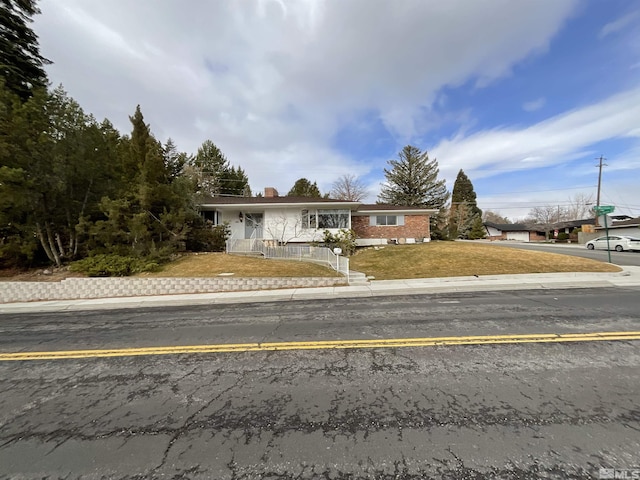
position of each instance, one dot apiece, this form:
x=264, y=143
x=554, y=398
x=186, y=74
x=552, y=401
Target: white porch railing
x=302, y=253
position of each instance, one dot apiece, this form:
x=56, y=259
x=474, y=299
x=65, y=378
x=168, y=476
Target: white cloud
x=559, y=139
x=628, y=160
x=271, y=80
x=534, y=105
x=619, y=24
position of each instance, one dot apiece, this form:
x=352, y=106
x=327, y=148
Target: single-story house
x=514, y=231
x=304, y=220
x=569, y=226
x=629, y=228
x=620, y=218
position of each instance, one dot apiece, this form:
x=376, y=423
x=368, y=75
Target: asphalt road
x=619, y=258
x=500, y=411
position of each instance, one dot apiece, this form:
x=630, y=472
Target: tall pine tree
x=304, y=188
x=21, y=64
x=152, y=213
x=207, y=168
x=464, y=212
x=413, y=181
x=174, y=160
x=234, y=183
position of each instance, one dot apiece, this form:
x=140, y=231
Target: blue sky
x=521, y=95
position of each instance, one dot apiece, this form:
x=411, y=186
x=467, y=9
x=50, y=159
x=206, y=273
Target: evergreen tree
x=54, y=171
x=477, y=229
x=234, y=182
x=207, y=169
x=21, y=65
x=174, y=161
x=413, y=181
x=304, y=188
x=464, y=209
x=152, y=213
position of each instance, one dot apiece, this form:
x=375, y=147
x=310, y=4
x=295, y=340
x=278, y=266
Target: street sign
x=604, y=209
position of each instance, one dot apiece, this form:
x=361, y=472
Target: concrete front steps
x=357, y=278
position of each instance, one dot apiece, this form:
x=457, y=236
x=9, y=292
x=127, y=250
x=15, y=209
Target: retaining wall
x=84, y=288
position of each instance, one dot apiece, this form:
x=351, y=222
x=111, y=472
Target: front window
x=325, y=218
x=386, y=220
x=333, y=218
x=211, y=216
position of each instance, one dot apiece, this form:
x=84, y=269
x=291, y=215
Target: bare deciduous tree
x=348, y=187
x=580, y=207
x=494, y=217
x=284, y=228
x=546, y=215
x=577, y=208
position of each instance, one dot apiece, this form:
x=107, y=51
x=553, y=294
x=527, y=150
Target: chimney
x=270, y=192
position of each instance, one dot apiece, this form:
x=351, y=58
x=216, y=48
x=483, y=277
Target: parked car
x=619, y=243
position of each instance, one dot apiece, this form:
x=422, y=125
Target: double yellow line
x=325, y=345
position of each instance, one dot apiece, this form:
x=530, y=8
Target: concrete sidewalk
x=629, y=277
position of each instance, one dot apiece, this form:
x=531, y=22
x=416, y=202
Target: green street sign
x=604, y=209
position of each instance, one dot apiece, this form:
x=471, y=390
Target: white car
x=619, y=243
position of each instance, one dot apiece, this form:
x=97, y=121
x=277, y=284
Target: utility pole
x=600, y=165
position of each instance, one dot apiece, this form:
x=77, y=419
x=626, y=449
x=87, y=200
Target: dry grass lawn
x=429, y=260
x=457, y=259
x=214, y=264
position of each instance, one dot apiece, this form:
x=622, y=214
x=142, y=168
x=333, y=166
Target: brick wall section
x=415, y=226
x=85, y=288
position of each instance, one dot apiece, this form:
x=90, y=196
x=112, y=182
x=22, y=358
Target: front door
x=253, y=223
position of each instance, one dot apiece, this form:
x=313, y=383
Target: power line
x=549, y=190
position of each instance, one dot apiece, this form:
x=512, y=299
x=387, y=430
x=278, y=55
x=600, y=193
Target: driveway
x=619, y=258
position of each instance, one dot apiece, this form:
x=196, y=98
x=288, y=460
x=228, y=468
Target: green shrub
x=206, y=237
x=477, y=229
x=113, y=265
x=344, y=239
x=17, y=252
x=562, y=237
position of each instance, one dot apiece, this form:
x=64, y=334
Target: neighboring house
x=630, y=228
x=570, y=226
x=304, y=220
x=514, y=231
x=620, y=218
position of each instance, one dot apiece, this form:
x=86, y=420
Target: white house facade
x=284, y=220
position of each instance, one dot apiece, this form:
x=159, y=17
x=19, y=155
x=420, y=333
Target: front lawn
x=458, y=259
x=215, y=264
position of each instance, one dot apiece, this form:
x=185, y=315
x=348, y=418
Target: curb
x=629, y=277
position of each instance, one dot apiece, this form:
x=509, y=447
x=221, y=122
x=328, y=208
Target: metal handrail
x=303, y=253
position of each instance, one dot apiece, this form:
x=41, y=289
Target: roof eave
x=421, y=211
x=319, y=205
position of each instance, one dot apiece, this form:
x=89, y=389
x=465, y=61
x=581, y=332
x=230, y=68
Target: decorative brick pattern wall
x=84, y=288
x=415, y=226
